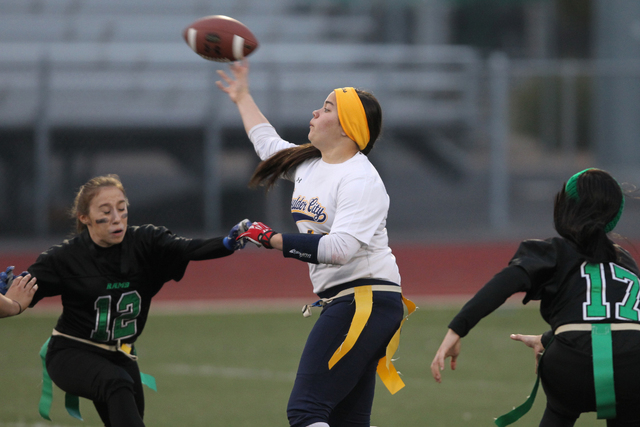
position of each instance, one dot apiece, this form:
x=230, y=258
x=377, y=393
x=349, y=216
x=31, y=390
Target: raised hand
x=237, y=86
x=259, y=234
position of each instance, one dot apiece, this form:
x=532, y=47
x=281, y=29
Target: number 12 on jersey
x=597, y=307
x=124, y=323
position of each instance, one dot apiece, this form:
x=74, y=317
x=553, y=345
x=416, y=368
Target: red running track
x=427, y=271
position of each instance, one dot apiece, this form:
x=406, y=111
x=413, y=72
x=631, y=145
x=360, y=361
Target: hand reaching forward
x=231, y=241
x=450, y=347
x=19, y=294
x=260, y=234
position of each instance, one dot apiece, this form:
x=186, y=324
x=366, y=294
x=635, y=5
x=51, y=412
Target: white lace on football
x=237, y=45
x=191, y=36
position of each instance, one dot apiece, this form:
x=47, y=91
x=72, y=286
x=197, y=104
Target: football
x=220, y=38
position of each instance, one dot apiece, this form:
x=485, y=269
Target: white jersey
x=348, y=198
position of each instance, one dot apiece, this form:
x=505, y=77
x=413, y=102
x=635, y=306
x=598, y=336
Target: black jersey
x=106, y=292
x=570, y=289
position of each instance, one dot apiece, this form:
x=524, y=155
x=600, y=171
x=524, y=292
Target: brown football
x=220, y=38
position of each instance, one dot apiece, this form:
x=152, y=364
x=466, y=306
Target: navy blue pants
x=343, y=396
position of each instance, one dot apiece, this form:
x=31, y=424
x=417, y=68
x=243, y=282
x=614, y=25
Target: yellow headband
x=352, y=116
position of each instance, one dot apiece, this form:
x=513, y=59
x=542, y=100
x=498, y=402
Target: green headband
x=571, y=188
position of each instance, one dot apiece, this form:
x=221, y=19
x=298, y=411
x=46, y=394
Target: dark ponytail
x=583, y=220
x=373, y=112
x=278, y=165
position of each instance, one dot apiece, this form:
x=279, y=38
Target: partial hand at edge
x=22, y=291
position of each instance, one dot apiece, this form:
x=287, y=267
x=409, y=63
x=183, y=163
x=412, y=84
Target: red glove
x=259, y=234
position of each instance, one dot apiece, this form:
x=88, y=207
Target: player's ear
x=84, y=219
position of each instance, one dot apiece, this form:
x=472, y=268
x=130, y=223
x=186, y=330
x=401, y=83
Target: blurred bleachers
x=140, y=21
x=101, y=86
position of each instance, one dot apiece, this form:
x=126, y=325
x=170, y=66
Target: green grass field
x=237, y=369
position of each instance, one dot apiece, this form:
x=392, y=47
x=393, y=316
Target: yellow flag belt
x=364, y=304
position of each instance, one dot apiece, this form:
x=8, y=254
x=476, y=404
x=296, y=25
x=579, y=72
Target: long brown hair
x=87, y=192
x=583, y=221
x=278, y=165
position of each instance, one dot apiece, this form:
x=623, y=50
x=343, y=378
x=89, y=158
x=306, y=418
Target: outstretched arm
x=216, y=247
x=238, y=90
x=336, y=248
x=450, y=347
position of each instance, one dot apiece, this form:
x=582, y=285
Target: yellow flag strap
x=386, y=371
x=364, y=304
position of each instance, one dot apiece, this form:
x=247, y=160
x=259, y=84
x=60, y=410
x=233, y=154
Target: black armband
x=301, y=246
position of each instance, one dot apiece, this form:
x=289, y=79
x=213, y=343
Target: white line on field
x=226, y=372
x=272, y=305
